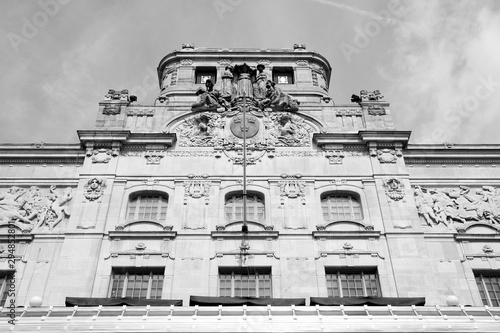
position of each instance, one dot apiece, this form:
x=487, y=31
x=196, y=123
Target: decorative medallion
x=197, y=189
x=94, y=189
x=292, y=189
x=251, y=126
x=394, y=189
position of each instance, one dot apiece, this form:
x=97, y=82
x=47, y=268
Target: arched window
x=234, y=208
x=148, y=206
x=341, y=207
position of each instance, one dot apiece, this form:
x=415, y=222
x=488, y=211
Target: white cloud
x=445, y=53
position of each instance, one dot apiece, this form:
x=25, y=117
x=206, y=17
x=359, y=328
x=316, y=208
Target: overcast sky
x=437, y=61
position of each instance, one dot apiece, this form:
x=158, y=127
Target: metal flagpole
x=245, y=226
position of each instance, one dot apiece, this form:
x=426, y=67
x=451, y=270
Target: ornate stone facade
x=331, y=189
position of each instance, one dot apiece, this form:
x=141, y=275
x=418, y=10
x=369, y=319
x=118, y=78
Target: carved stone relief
x=154, y=156
x=370, y=95
x=288, y=130
x=335, y=156
x=101, y=155
x=387, y=155
x=349, y=112
x=197, y=189
x=376, y=110
x=35, y=207
x=94, y=188
x=292, y=189
x=140, y=112
x=394, y=188
x=201, y=130
x=458, y=205
x=302, y=63
x=186, y=62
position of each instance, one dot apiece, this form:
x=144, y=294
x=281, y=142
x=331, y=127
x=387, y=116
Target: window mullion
x=150, y=285
x=339, y=283
x=125, y=284
x=363, y=283
x=485, y=290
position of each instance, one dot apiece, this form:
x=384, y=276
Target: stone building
x=147, y=210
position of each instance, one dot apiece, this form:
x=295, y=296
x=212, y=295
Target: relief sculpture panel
x=459, y=205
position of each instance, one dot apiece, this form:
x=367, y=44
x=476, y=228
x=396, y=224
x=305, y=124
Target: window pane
x=341, y=207
x=148, y=207
x=139, y=283
x=244, y=282
x=352, y=283
x=234, y=208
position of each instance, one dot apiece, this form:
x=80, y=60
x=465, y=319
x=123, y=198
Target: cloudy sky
x=436, y=61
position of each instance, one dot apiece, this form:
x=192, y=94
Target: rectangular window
x=488, y=284
x=5, y=283
x=283, y=75
x=352, y=282
x=245, y=282
x=136, y=283
x=206, y=73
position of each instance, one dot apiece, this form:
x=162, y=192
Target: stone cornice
x=332, y=140
x=453, y=154
x=41, y=153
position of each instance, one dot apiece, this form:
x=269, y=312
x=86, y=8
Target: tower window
x=283, y=75
x=206, y=73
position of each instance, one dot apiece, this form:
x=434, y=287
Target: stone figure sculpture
x=209, y=99
x=277, y=99
x=259, y=85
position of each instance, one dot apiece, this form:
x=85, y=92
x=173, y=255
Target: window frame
x=482, y=286
x=205, y=71
x=134, y=203
x=283, y=71
x=363, y=272
x=353, y=198
x=127, y=272
x=254, y=272
x=6, y=278
x=252, y=207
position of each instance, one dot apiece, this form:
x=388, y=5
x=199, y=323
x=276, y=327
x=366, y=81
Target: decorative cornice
x=266, y=234
x=48, y=153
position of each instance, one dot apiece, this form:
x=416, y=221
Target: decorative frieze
x=140, y=112
x=349, y=112
x=94, y=189
x=335, y=156
x=458, y=205
x=387, y=155
x=190, y=153
x=297, y=153
x=35, y=207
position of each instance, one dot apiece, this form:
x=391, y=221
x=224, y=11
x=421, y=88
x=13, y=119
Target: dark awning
x=377, y=301
x=90, y=301
x=235, y=301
